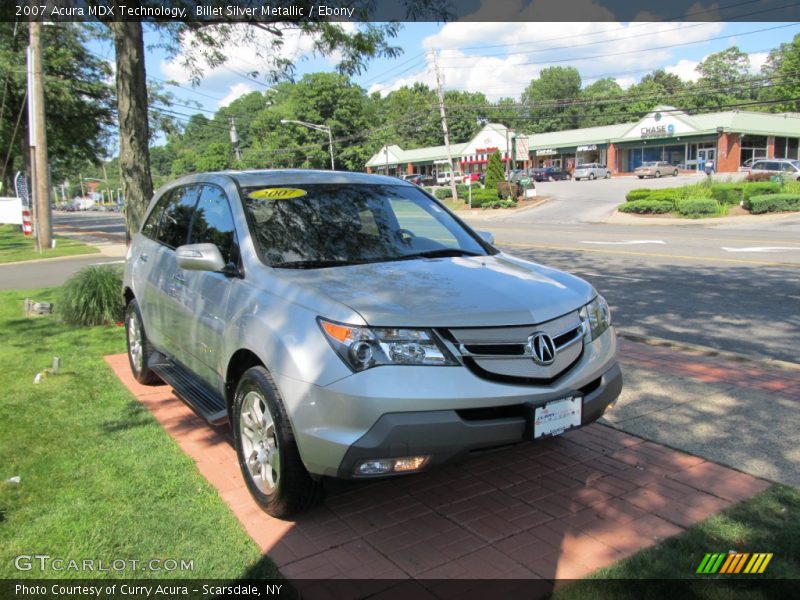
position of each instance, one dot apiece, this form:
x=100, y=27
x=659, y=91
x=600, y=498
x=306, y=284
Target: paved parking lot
x=560, y=508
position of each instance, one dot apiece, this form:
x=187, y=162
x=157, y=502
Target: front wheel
x=675, y=173
x=266, y=448
x=591, y=176
x=640, y=176
x=658, y=174
x=139, y=348
x=608, y=175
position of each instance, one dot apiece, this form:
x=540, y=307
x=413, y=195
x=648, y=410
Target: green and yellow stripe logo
x=734, y=563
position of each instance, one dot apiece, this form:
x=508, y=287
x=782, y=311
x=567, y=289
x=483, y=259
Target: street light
x=324, y=128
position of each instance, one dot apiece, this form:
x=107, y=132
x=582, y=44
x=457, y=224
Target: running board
x=189, y=388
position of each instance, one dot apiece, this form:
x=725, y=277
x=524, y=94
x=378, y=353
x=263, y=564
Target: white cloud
x=757, y=60
x=685, y=69
x=500, y=59
x=237, y=90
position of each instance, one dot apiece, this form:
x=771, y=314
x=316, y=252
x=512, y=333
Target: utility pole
x=235, y=139
x=38, y=139
x=444, y=127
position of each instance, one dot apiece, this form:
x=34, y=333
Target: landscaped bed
x=710, y=199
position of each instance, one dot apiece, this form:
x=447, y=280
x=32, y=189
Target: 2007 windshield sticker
x=276, y=194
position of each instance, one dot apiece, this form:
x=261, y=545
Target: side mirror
x=487, y=237
x=199, y=257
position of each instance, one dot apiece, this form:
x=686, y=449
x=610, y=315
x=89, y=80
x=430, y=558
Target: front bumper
x=445, y=436
x=402, y=410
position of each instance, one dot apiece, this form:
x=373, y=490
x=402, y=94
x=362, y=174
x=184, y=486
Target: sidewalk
x=559, y=508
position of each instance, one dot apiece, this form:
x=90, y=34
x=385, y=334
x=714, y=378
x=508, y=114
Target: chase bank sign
x=653, y=131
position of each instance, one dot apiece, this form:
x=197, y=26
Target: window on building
x=753, y=146
x=786, y=147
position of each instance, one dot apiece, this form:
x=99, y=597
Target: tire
x=658, y=174
x=608, y=175
x=139, y=347
x=266, y=448
x=640, y=176
x=675, y=173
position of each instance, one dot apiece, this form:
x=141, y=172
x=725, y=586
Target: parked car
x=339, y=323
x=550, y=174
x=591, y=171
x=418, y=179
x=655, y=168
x=785, y=167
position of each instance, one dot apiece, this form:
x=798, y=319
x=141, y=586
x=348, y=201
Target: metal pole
x=330, y=145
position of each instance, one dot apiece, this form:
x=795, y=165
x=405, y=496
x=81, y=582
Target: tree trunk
x=134, y=135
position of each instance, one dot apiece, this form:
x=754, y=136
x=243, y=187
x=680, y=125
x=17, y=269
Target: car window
x=213, y=223
x=150, y=227
x=787, y=168
x=759, y=165
x=412, y=217
x=308, y=226
x=174, y=229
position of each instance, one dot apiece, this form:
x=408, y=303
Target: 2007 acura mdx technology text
x=348, y=325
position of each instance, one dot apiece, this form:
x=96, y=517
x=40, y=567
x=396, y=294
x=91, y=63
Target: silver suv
x=350, y=326
x=591, y=171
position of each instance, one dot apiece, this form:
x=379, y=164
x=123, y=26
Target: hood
x=449, y=292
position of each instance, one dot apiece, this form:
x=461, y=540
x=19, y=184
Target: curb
x=618, y=218
x=708, y=351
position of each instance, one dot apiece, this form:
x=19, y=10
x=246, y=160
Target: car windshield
x=329, y=225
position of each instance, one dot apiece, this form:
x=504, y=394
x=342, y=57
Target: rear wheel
x=640, y=176
x=658, y=174
x=675, y=173
x=139, y=348
x=608, y=175
x=591, y=176
x=266, y=448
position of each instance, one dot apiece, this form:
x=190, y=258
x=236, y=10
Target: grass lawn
x=14, y=246
x=99, y=476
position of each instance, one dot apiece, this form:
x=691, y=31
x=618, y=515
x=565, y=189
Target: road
x=736, y=290
x=90, y=227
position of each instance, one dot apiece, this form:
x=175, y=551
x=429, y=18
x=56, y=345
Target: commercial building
x=724, y=139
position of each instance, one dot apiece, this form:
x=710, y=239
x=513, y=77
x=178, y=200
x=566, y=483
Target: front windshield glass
x=327, y=225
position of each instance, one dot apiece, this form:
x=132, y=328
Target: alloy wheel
x=259, y=442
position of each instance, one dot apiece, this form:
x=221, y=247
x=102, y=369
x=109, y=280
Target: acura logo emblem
x=542, y=349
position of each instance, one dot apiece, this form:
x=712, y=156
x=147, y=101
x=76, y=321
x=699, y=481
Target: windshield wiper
x=439, y=253
x=316, y=264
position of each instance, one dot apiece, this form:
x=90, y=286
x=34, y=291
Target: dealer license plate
x=554, y=418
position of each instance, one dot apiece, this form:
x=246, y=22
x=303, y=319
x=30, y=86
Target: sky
x=498, y=59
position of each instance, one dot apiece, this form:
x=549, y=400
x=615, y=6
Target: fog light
x=412, y=463
x=382, y=466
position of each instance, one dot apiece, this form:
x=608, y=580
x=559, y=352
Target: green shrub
x=774, y=203
x=666, y=195
x=429, y=190
x=727, y=193
x=637, y=194
x=791, y=186
x=697, y=207
x=647, y=206
x=481, y=197
x=495, y=172
x=443, y=193
x=759, y=188
x=93, y=296
x=695, y=190
x=500, y=204
x=462, y=190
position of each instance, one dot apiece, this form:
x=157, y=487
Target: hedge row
x=724, y=193
x=637, y=194
x=691, y=207
x=773, y=203
x=647, y=206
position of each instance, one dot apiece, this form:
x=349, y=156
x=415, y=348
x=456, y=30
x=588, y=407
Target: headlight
x=365, y=347
x=596, y=317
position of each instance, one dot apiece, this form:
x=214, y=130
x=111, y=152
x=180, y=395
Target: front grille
x=504, y=354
